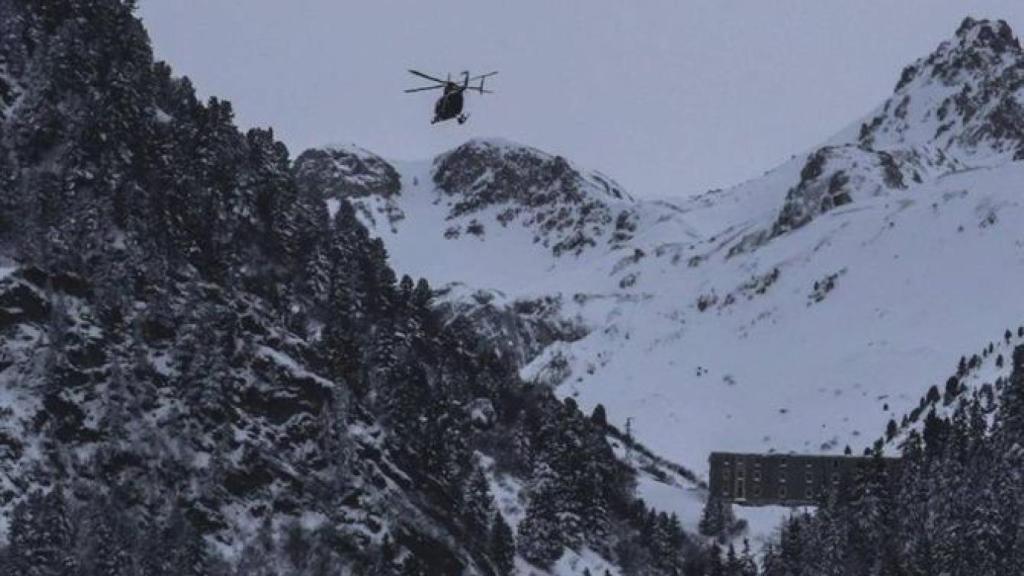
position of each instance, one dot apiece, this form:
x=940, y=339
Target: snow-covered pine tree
x=717, y=518
x=478, y=507
x=108, y=544
x=502, y=546
x=541, y=539
x=296, y=545
x=748, y=565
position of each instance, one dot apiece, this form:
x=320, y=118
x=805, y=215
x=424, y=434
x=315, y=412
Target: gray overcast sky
x=668, y=97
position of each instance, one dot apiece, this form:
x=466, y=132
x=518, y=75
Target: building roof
x=790, y=455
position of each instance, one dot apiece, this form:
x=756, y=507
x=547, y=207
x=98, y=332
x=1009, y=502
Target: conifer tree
x=540, y=533
x=502, y=546
x=478, y=508
x=748, y=566
x=599, y=417
x=717, y=518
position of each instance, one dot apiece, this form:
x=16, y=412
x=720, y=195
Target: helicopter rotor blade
x=427, y=76
x=488, y=75
x=424, y=88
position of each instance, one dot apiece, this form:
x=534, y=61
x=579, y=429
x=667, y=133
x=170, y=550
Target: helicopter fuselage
x=449, y=105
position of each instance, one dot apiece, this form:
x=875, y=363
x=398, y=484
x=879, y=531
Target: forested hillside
x=204, y=370
x=956, y=508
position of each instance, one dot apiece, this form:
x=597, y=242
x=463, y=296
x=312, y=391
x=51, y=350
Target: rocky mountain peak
x=515, y=171
x=957, y=108
x=979, y=47
x=961, y=100
x=346, y=171
x=984, y=34
x=567, y=208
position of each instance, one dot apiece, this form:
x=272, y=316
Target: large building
x=787, y=479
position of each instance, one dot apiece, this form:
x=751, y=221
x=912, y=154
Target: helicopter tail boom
x=482, y=78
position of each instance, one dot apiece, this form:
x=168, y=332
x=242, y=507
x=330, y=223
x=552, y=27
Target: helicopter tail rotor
x=482, y=78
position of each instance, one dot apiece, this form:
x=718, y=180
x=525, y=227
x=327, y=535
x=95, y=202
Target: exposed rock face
x=569, y=211
x=352, y=174
x=518, y=329
x=963, y=99
x=346, y=172
x=349, y=173
x=832, y=177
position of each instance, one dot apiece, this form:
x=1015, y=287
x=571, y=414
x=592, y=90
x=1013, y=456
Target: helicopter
x=449, y=105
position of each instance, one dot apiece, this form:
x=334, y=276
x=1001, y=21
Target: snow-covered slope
x=796, y=312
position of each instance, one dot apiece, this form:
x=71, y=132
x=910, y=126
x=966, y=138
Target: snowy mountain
x=799, y=311
x=216, y=360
